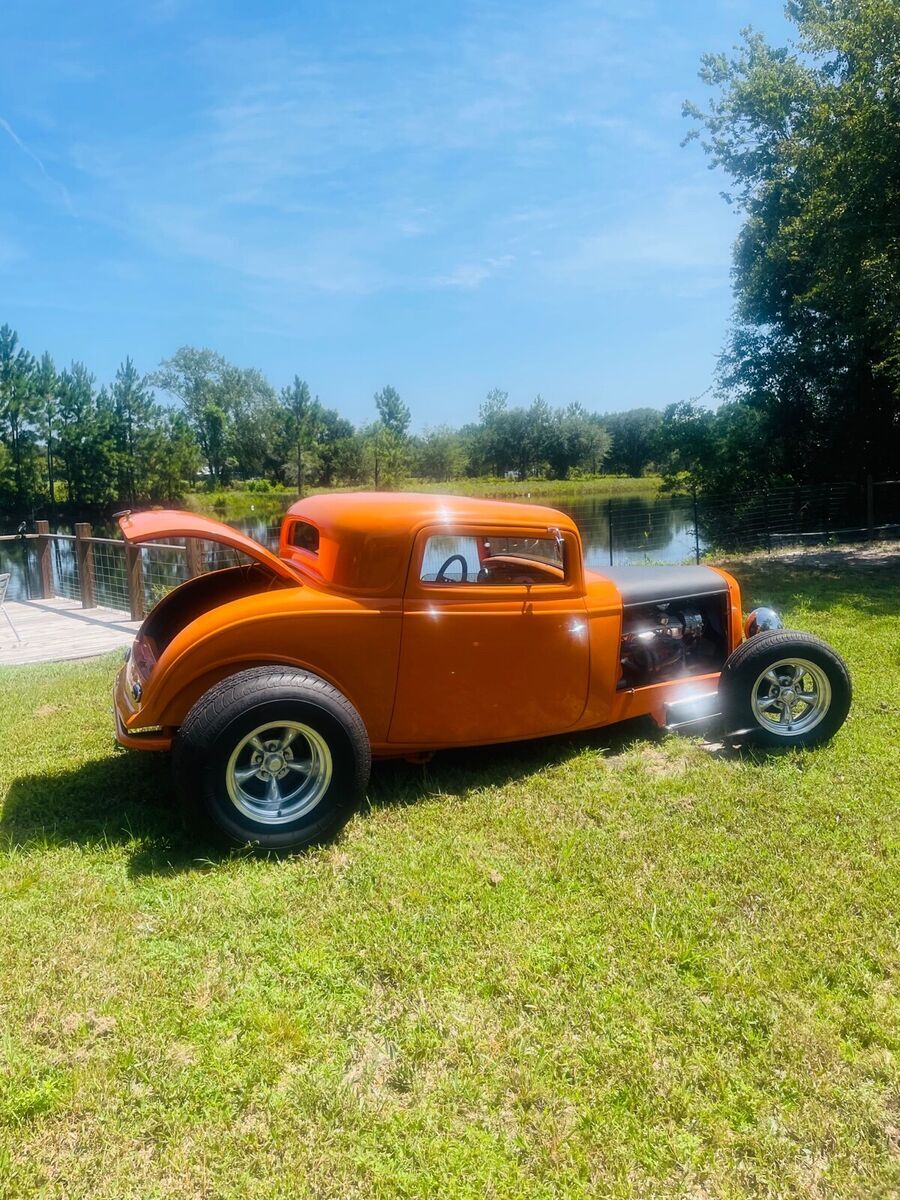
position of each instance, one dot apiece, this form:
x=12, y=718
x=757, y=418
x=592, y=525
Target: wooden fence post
x=84, y=551
x=134, y=572
x=194, y=565
x=45, y=561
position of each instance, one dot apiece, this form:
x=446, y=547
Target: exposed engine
x=665, y=640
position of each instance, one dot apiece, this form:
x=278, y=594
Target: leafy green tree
x=76, y=398
x=492, y=443
x=440, y=454
x=46, y=382
x=172, y=457
x=333, y=434
x=393, y=414
x=810, y=139
x=576, y=441
x=252, y=414
x=7, y=478
x=719, y=451
x=198, y=378
x=232, y=410
x=387, y=440
x=634, y=434
x=136, y=424
x=100, y=452
x=18, y=409
x=351, y=458
x=87, y=439
x=303, y=415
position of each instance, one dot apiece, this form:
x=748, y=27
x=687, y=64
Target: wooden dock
x=58, y=629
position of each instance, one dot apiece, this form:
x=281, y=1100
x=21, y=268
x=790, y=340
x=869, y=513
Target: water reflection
x=639, y=529
x=644, y=529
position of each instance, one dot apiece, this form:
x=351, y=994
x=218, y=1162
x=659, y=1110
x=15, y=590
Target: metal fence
x=677, y=529
x=105, y=571
x=673, y=529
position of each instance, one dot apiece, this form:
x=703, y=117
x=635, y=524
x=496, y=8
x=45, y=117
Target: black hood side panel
x=653, y=585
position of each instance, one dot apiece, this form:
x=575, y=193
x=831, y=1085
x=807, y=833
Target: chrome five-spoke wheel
x=278, y=772
x=791, y=697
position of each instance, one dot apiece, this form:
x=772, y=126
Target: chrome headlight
x=761, y=620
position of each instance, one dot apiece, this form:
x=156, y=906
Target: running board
x=700, y=709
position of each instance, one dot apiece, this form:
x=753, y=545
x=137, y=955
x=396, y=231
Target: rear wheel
x=785, y=688
x=274, y=757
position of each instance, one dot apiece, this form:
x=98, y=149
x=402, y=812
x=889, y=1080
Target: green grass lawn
x=613, y=965
x=235, y=503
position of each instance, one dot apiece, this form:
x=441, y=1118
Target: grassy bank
x=613, y=965
x=237, y=502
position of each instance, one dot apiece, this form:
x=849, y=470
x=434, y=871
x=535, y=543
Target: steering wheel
x=448, y=562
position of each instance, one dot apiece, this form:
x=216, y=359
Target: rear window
x=305, y=537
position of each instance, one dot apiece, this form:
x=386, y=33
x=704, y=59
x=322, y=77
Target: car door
x=498, y=650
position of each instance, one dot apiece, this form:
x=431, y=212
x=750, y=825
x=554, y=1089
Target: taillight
x=132, y=675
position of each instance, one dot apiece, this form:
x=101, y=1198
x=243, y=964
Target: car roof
x=365, y=538
x=398, y=512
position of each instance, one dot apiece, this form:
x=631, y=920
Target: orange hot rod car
x=399, y=624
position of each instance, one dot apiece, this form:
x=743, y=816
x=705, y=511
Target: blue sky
x=447, y=197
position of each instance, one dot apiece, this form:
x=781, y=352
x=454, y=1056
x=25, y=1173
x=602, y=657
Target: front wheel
x=785, y=688
x=272, y=757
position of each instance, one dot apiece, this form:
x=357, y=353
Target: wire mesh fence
x=64, y=566
x=163, y=567
x=677, y=529
x=110, y=574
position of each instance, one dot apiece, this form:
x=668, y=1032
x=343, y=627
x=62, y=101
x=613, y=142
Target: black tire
x=741, y=677
x=219, y=724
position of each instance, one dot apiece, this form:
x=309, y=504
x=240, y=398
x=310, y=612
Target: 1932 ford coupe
x=399, y=624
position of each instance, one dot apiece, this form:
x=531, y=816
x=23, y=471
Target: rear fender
x=175, y=701
x=352, y=645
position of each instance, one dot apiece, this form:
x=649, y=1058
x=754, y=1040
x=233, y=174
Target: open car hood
x=172, y=523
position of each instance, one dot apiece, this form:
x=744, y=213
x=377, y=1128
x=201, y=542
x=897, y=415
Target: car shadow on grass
x=398, y=782
x=125, y=799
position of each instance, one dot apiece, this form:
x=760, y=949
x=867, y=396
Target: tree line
x=809, y=139
x=67, y=443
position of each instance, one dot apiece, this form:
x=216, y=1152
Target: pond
x=645, y=529
x=630, y=529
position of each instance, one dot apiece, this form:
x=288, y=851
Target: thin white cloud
x=469, y=276
x=26, y=150
x=402, y=164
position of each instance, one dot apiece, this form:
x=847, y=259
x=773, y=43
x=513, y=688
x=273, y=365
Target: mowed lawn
x=613, y=965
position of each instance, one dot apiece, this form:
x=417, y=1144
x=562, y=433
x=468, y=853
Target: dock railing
x=107, y=571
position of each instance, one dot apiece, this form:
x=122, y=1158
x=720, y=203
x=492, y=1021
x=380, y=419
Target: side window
x=305, y=537
x=493, y=560
x=449, y=558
